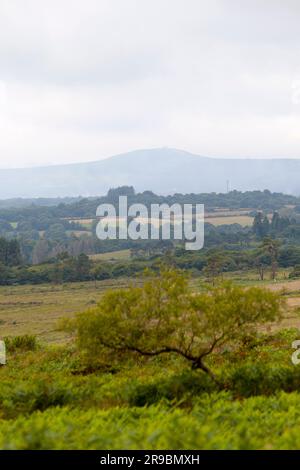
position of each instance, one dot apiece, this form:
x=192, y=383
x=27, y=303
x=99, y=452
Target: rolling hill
x=164, y=171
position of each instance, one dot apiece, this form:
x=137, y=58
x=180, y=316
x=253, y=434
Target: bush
x=25, y=398
x=262, y=379
x=165, y=317
x=175, y=388
x=21, y=343
x=215, y=422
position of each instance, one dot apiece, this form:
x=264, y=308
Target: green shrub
x=25, y=398
x=21, y=343
x=215, y=422
x=262, y=379
x=175, y=388
x=166, y=317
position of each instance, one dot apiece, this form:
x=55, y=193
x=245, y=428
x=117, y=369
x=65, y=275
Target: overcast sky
x=83, y=80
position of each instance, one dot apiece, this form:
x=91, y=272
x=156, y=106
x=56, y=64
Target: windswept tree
x=165, y=317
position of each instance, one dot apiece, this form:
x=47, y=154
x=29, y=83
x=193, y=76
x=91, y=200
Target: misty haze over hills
x=164, y=171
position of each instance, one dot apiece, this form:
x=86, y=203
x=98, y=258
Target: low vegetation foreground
x=169, y=362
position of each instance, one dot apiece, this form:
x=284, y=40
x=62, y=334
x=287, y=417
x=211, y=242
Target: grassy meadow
x=37, y=310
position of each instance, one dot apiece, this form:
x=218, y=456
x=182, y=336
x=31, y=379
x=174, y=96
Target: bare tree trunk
x=200, y=365
x=261, y=273
x=274, y=270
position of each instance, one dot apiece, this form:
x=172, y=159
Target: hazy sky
x=83, y=80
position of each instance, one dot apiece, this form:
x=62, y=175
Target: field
x=38, y=309
x=244, y=220
x=119, y=255
x=218, y=217
x=86, y=223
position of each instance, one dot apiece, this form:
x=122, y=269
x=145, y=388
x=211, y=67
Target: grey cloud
x=81, y=80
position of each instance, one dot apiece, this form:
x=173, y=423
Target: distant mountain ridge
x=164, y=171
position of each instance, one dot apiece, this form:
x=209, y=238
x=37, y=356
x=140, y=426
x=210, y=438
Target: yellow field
x=111, y=256
x=215, y=218
x=85, y=223
x=82, y=221
x=244, y=220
